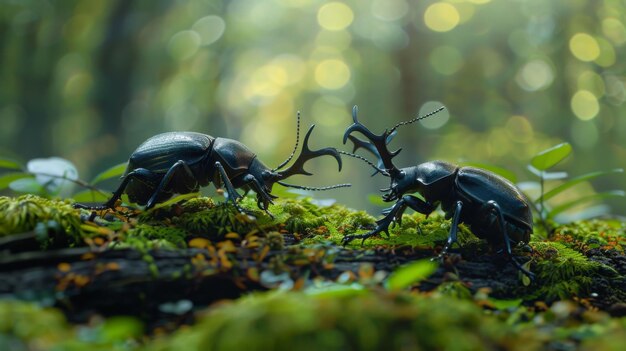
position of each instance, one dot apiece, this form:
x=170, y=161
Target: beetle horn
x=377, y=144
x=307, y=154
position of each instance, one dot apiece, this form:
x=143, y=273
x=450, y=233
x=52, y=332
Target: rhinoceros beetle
x=181, y=162
x=492, y=207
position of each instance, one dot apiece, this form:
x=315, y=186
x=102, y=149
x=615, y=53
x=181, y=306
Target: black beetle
x=492, y=207
x=181, y=162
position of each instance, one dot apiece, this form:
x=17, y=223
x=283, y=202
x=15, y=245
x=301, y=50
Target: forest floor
x=195, y=275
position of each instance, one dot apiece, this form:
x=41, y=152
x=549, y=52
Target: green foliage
x=113, y=172
x=409, y=274
x=547, y=159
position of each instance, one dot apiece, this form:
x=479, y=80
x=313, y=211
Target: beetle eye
x=401, y=174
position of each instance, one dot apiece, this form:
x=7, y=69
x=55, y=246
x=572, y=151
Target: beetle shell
x=476, y=187
x=159, y=153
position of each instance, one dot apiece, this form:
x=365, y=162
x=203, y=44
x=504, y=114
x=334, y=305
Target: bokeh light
x=436, y=121
x=441, y=17
x=584, y=47
x=592, y=82
x=585, y=105
x=210, y=28
x=535, y=75
x=389, y=10
x=335, y=16
x=519, y=129
x=332, y=74
x=184, y=44
x=516, y=77
x=446, y=60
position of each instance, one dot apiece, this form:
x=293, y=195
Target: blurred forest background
x=90, y=80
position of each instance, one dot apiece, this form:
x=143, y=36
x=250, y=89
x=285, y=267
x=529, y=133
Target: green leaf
x=505, y=304
x=594, y=197
x=8, y=163
x=411, y=273
x=115, y=171
x=377, y=200
x=27, y=186
x=176, y=199
x=503, y=172
x=121, y=328
x=570, y=183
x=55, y=174
x=550, y=157
x=336, y=290
x=7, y=179
x=91, y=196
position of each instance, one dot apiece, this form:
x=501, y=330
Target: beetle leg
x=263, y=197
x=382, y=225
x=492, y=205
x=394, y=214
x=180, y=164
x=454, y=227
x=232, y=194
x=139, y=173
x=418, y=205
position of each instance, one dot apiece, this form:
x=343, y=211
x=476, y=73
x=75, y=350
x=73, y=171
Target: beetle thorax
x=435, y=180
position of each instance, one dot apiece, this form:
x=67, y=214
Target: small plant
x=539, y=166
x=53, y=177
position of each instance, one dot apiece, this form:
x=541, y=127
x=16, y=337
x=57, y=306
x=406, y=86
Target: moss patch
x=372, y=321
x=52, y=220
x=563, y=272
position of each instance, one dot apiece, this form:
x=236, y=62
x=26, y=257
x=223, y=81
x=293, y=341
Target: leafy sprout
x=547, y=159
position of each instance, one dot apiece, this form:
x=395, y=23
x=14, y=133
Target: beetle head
x=401, y=182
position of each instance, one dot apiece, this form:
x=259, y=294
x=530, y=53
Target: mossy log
x=133, y=262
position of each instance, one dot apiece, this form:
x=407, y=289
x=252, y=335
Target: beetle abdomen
x=161, y=151
x=478, y=187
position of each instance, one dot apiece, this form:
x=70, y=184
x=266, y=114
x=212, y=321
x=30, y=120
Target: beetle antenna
x=346, y=185
x=295, y=147
x=382, y=171
x=416, y=119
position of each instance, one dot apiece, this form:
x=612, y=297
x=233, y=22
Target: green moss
x=369, y=321
x=27, y=326
x=592, y=234
x=52, y=219
x=455, y=289
x=416, y=230
x=201, y=217
x=147, y=236
x=298, y=216
x=563, y=272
